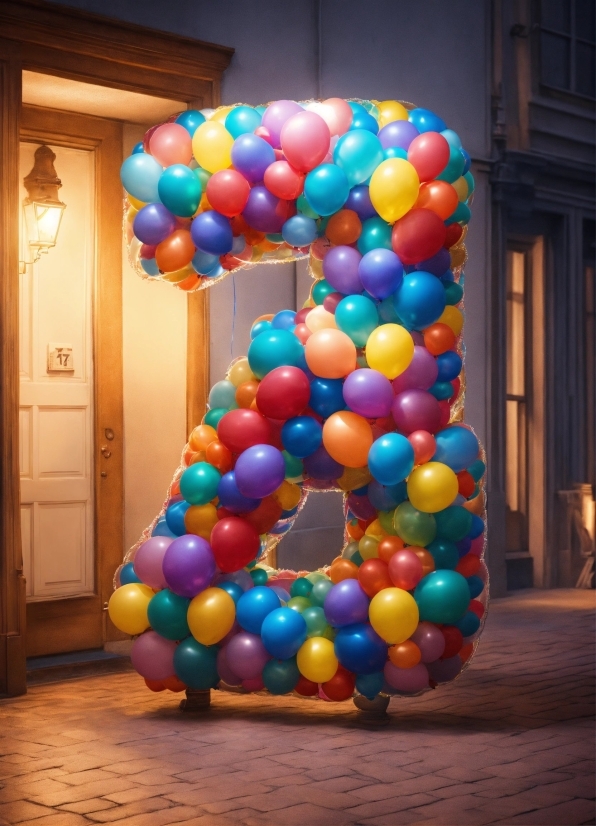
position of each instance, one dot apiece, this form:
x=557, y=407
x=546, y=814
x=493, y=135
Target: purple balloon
x=230, y=497
x=241, y=578
x=421, y=373
x=264, y=211
x=281, y=592
x=153, y=656
x=340, y=267
x=153, y=223
x=438, y=264
x=224, y=670
x=251, y=155
x=442, y=671
x=406, y=679
x=430, y=641
x=148, y=561
x=381, y=273
x=368, y=393
x=259, y=471
x=189, y=565
x=320, y=465
x=359, y=201
x=346, y=603
x=246, y=655
x=361, y=506
x=274, y=117
x=398, y=133
x=416, y=410
x=212, y=232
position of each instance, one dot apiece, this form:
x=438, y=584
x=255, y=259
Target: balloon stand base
x=372, y=712
x=196, y=701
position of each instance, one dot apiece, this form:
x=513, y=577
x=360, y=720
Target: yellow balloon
x=393, y=614
x=393, y=188
x=178, y=275
x=287, y=495
x=201, y=519
x=454, y=318
x=316, y=660
x=368, y=547
x=221, y=114
x=375, y=529
x=131, y=213
x=389, y=349
x=211, y=615
x=461, y=187
x=240, y=372
x=390, y=110
x=134, y=202
x=354, y=477
x=128, y=605
x=212, y=146
x=432, y=487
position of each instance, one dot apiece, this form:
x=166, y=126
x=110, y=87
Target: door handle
x=105, y=452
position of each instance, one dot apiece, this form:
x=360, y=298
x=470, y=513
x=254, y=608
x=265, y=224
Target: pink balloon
x=171, y=143
x=342, y=113
x=153, y=656
x=424, y=446
x=246, y=655
x=274, y=117
x=477, y=545
x=256, y=684
x=430, y=641
x=305, y=140
x=224, y=670
x=420, y=374
x=416, y=410
x=149, y=559
x=406, y=679
x=405, y=569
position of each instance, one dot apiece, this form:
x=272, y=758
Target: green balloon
x=454, y=293
x=414, y=526
x=167, y=615
x=294, y=466
x=299, y=604
x=212, y=417
x=196, y=664
x=319, y=591
x=386, y=521
x=444, y=553
x=315, y=576
x=442, y=597
x=198, y=483
x=259, y=576
x=453, y=523
x=222, y=394
x=321, y=290
x=281, y=676
x=301, y=587
x=316, y=622
x=350, y=549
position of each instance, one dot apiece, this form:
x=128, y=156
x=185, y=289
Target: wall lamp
x=42, y=208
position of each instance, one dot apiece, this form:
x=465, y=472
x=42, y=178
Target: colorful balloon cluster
x=360, y=390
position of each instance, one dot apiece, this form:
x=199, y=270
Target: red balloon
x=466, y=483
x=302, y=333
x=419, y=235
x=227, y=192
x=243, y=428
x=340, y=686
x=452, y=235
x=476, y=607
x=283, y=393
x=453, y=641
x=283, y=180
x=445, y=412
x=424, y=446
x=265, y=516
x=468, y=565
x=235, y=543
x=306, y=688
x=373, y=576
x=405, y=569
x=429, y=154
x=301, y=315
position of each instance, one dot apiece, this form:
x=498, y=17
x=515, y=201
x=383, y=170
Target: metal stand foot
x=198, y=701
x=372, y=712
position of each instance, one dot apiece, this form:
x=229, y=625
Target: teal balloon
x=469, y=179
x=442, y=597
x=316, y=621
x=319, y=592
x=455, y=166
x=452, y=138
x=326, y=188
x=357, y=317
x=127, y=574
x=180, y=190
x=477, y=470
x=301, y=587
x=395, y=152
x=358, y=153
x=454, y=293
x=304, y=208
x=202, y=175
x=294, y=466
x=191, y=120
x=369, y=685
x=140, y=174
x=274, y=348
x=444, y=553
x=149, y=265
x=242, y=119
x=196, y=664
x=321, y=290
x=204, y=262
x=453, y=523
x=213, y=416
x=222, y=394
x=198, y=483
x=167, y=615
x=375, y=233
x=281, y=676
x=461, y=215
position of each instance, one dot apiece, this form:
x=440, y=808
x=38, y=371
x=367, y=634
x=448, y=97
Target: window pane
x=585, y=24
x=585, y=69
x=515, y=324
x=554, y=60
x=556, y=14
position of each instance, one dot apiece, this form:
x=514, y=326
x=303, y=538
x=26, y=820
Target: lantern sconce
x=42, y=208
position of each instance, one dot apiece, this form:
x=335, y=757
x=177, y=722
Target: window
x=590, y=352
x=567, y=44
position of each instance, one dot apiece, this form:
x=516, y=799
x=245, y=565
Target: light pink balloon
x=405, y=569
x=406, y=679
x=274, y=117
x=342, y=113
x=430, y=641
x=149, y=559
x=305, y=139
x=246, y=655
x=171, y=143
x=224, y=670
x=153, y=656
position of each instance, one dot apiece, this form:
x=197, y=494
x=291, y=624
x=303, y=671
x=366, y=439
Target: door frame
x=69, y=43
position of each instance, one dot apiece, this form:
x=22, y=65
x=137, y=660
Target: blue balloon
x=242, y=119
x=204, y=262
x=251, y=155
x=360, y=649
x=254, y=605
x=395, y=152
x=153, y=223
x=301, y=436
x=138, y=148
x=162, y=529
x=358, y=153
x=375, y=233
x=284, y=320
x=326, y=396
x=365, y=121
x=457, y=447
x=299, y=231
x=259, y=327
x=180, y=190
x=391, y=458
x=231, y=588
x=149, y=265
x=175, y=517
x=127, y=574
x=191, y=120
x=467, y=165
x=357, y=108
x=320, y=465
x=463, y=546
x=283, y=632
x=449, y=365
x=360, y=203
x=369, y=685
x=212, y=232
x=386, y=497
x=426, y=121
x=140, y=174
x=274, y=348
x=476, y=586
x=420, y=300
x=231, y=498
x=281, y=676
x=196, y=664
x=381, y=272
x=326, y=188
x=477, y=528
x=468, y=624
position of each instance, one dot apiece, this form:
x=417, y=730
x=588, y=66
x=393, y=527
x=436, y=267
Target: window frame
x=569, y=95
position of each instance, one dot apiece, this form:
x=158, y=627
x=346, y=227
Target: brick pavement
x=510, y=742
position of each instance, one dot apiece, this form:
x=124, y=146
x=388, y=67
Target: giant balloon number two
x=361, y=390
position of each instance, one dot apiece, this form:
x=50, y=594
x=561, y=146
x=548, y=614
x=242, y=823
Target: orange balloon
x=218, y=455
x=202, y=436
x=175, y=252
x=199, y=456
x=347, y=438
x=438, y=338
x=246, y=392
x=342, y=569
x=330, y=354
x=373, y=576
x=466, y=652
x=174, y=684
x=200, y=519
x=344, y=227
x=405, y=655
x=190, y=283
x=388, y=546
x=438, y=196
x=354, y=530
x=428, y=562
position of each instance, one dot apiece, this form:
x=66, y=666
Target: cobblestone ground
x=511, y=742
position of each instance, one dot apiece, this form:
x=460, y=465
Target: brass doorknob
x=105, y=452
